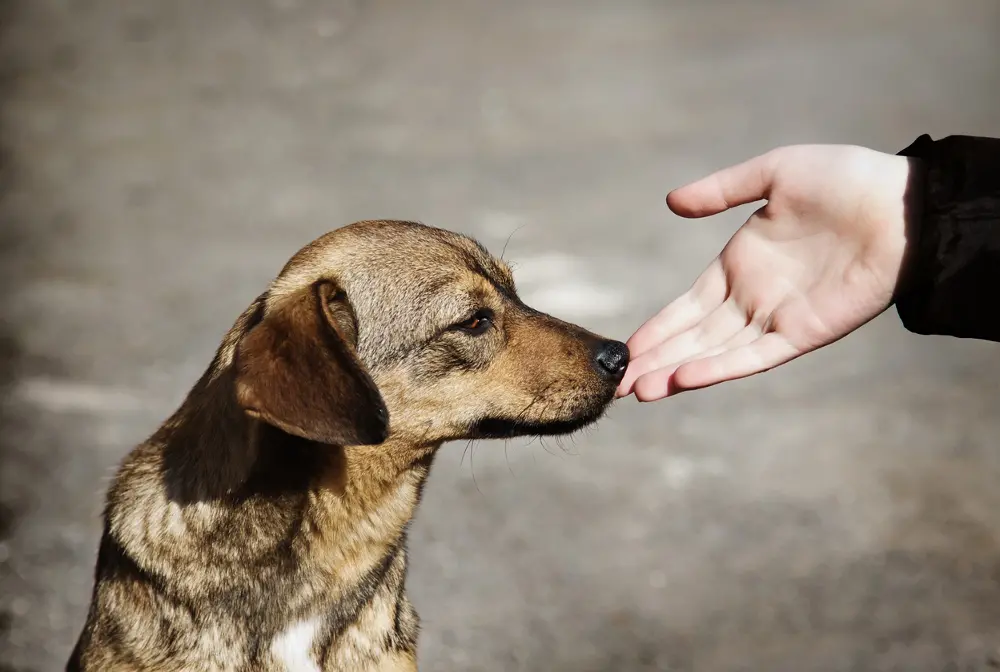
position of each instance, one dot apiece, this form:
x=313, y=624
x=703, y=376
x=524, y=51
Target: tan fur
x=263, y=526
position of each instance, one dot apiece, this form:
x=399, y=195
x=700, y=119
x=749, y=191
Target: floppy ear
x=297, y=370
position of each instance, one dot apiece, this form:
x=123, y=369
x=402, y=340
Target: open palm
x=819, y=260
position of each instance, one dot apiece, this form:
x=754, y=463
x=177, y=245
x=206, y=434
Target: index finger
x=704, y=296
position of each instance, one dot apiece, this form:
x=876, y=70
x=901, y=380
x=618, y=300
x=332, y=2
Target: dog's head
x=396, y=328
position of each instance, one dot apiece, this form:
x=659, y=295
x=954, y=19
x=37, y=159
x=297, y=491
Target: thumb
x=737, y=185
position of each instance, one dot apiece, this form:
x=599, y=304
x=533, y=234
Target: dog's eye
x=476, y=324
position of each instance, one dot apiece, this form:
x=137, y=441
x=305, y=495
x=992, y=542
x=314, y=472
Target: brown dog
x=263, y=526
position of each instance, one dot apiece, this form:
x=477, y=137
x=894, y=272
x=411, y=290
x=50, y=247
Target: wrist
x=912, y=212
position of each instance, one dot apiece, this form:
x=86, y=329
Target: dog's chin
x=508, y=428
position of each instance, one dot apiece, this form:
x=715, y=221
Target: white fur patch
x=293, y=647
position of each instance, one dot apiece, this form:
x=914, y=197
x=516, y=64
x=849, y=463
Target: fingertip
x=653, y=386
x=637, y=368
x=642, y=342
x=679, y=202
x=623, y=390
x=631, y=341
x=705, y=372
x=690, y=375
x=644, y=338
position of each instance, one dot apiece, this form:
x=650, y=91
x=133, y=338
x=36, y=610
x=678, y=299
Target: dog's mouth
x=507, y=428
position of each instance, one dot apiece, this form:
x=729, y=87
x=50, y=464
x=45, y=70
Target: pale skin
x=821, y=258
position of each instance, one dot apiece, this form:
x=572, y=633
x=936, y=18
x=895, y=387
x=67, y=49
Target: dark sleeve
x=950, y=285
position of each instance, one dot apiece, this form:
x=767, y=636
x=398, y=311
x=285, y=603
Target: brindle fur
x=271, y=509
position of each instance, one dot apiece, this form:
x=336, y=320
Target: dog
x=263, y=526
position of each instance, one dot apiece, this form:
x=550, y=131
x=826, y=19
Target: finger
x=737, y=185
x=767, y=352
x=721, y=325
x=706, y=294
x=744, y=336
x=658, y=384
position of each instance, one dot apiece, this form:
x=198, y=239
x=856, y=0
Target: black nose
x=612, y=359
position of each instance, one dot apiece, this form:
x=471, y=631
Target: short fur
x=263, y=526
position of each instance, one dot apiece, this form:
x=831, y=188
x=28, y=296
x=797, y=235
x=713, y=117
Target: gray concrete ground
x=162, y=160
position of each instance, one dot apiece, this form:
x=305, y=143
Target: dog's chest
x=295, y=649
x=293, y=646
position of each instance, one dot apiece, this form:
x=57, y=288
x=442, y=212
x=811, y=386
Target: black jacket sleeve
x=950, y=285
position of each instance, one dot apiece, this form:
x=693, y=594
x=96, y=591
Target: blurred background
x=162, y=160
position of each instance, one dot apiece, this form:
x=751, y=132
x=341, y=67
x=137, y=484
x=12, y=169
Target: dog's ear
x=297, y=370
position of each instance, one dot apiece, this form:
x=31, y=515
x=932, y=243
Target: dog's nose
x=612, y=359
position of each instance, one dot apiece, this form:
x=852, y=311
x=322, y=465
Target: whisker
x=542, y=442
x=504, y=250
x=562, y=447
x=472, y=467
x=538, y=397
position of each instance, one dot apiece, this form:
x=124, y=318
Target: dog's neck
x=214, y=452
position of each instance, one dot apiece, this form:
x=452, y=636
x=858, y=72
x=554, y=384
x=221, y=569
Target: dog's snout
x=612, y=359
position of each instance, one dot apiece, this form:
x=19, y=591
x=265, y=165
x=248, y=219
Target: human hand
x=819, y=260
